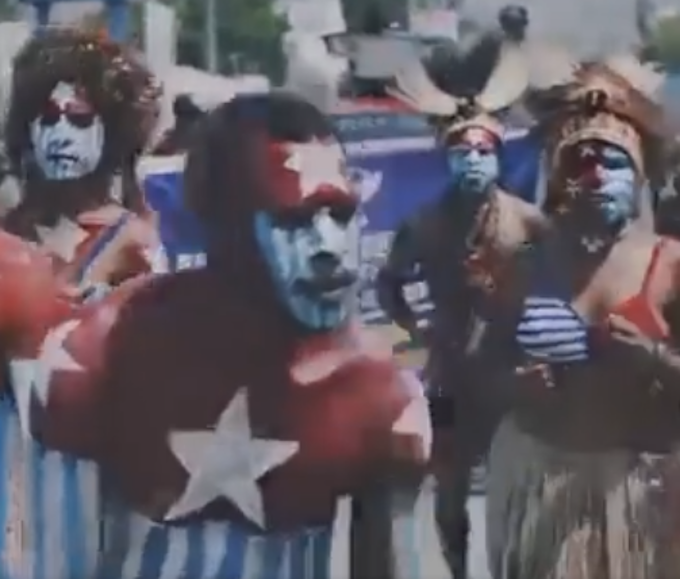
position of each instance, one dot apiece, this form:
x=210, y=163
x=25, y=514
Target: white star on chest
x=63, y=239
x=34, y=375
x=226, y=463
x=317, y=164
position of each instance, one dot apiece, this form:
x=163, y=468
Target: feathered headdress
x=453, y=114
x=519, y=68
x=612, y=100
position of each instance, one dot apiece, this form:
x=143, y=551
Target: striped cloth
x=49, y=508
x=58, y=524
x=551, y=331
x=137, y=548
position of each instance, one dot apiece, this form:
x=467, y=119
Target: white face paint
x=313, y=258
x=68, y=136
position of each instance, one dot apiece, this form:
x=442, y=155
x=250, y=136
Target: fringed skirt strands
x=49, y=508
x=555, y=514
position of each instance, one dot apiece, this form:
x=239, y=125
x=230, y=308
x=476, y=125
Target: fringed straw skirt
x=554, y=514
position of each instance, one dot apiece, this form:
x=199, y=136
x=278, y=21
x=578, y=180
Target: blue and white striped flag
x=49, y=508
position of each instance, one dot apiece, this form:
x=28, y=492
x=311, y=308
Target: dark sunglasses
x=79, y=115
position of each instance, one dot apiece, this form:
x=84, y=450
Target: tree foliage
x=664, y=44
x=249, y=35
x=8, y=10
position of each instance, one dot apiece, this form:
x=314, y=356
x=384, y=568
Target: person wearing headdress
x=459, y=243
x=77, y=110
x=235, y=409
x=583, y=470
x=81, y=109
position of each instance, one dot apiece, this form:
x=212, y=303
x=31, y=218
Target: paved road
x=477, y=562
x=435, y=566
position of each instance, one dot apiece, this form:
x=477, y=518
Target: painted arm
x=394, y=275
x=666, y=354
x=68, y=409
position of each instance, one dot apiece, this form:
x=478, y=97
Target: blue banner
x=180, y=233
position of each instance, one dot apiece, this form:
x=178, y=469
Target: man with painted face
x=80, y=108
x=458, y=244
x=585, y=465
x=236, y=408
x=80, y=112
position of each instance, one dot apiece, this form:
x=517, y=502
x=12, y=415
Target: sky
x=585, y=25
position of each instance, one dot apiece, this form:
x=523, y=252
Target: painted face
x=473, y=160
x=309, y=233
x=607, y=182
x=68, y=136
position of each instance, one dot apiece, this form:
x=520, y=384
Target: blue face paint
x=314, y=264
x=473, y=169
x=615, y=194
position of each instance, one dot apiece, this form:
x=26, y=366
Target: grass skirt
x=554, y=514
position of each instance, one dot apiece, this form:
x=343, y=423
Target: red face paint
x=581, y=163
x=78, y=111
x=477, y=138
x=307, y=174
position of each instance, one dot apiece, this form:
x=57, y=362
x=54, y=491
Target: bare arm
x=537, y=224
x=666, y=353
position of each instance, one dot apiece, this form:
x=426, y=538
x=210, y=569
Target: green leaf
x=665, y=42
x=248, y=30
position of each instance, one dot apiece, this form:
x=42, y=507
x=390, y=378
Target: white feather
x=312, y=72
x=550, y=66
x=508, y=80
x=414, y=87
x=643, y=77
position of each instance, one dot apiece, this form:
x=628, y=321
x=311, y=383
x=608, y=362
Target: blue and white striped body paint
x=50, y=502
x=49, y=508
x=137, y=548
x=551, y=331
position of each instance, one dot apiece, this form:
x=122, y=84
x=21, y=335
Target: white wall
x=206, y=89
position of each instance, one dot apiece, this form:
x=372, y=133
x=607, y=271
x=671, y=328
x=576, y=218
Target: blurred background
x=246, y=38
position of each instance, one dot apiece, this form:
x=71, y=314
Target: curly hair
x=123, y=91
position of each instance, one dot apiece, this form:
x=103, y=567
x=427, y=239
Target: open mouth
x=326, y=286
x=60, y=157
